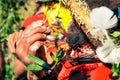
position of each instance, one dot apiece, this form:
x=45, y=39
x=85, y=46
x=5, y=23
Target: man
x=30, y=41
x=80, y=61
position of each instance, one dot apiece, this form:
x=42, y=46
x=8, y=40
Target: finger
x=48, y=57
x=35, y=24
x=16, y=36
x=35, y=46
x=36, y=37
x=19, y=37
x=24, y=43
x=20, y=34
x=11, y=43
x=48, y=30
x=29, y=37
x=22, y=48
x=32, y=31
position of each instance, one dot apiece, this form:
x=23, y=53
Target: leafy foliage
x=116, y=70
x=58, y=57
x=10, y=18
x=116, y=34
x=116, y=37
x=60, y=53
x=34, y=67
x=40, y=64
x=10, y=21
x=39, y=61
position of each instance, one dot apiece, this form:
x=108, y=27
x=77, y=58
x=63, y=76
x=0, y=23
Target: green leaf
x=39, y=61
x=34, y=67
x=53, y=57
x=116, y=69
x=116, y=34
x=61, y=54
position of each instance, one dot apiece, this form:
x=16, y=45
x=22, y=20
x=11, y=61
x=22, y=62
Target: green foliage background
x=12, y=14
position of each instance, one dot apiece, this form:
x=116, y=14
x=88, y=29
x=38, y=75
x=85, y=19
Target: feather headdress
x=80, y=12
x=101, y=17
x=96, y=21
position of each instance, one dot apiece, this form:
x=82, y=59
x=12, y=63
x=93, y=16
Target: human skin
x=35, y=36
x=31, y=36
x=19, y=44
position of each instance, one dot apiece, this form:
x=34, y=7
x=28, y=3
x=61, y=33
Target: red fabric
x=95, y=71
x=101, y=73
x=31, y=19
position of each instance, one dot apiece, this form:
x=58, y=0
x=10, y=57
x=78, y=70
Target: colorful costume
x=86, y=66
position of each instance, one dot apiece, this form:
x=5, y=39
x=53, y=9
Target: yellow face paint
x=58, y=12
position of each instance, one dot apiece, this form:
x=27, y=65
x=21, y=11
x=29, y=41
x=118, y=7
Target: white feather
x=108, y=53
x=103, y=17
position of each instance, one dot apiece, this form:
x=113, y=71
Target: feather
x=103, y=17
x=108, y=53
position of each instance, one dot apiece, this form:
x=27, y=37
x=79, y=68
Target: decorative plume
x=108, y=53
x=103, y=18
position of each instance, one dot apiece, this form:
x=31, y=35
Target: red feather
x=31, y=19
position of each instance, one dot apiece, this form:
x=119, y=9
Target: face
x=75, y=36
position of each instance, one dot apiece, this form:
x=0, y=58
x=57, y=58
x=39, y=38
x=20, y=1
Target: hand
x=30, y=41
x=27, y=42
x=13, y=38
x=23, y=43
x=19, y=67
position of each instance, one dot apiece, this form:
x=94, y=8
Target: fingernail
x=43, y=27
x=26, y=32
x=34, y=48
x=50, y=37
x=37, y=23
x=40, y=22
